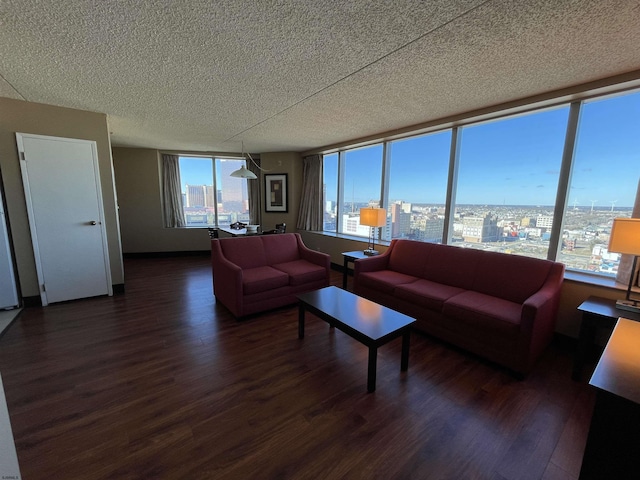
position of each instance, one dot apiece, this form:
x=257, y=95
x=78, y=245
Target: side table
x=596, y=312
x=350, y=257
x=612, y=444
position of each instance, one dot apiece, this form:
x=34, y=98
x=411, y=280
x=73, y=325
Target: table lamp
x=372, y=217
x=625, y=238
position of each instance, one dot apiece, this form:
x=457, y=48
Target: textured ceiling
x=277, y=75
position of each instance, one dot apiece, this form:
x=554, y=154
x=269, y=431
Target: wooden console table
x=596, y=312
x=614, y=434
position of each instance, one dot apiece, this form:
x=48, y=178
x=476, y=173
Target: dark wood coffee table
x=365, y=321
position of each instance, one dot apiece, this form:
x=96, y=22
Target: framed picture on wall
x=276, y=192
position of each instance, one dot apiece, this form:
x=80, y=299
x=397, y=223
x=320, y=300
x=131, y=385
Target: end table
x=350, y=257
x=596, y=312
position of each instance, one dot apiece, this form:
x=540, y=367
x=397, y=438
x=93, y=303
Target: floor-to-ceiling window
x=362, y=177
x=330, y=192
x=418, y=170
x=603, y=182
x=520, y=184
x=508, y=181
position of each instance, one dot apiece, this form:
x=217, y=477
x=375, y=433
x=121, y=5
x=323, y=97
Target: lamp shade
x=625, y=236
x=242, y=172
x=373, y=217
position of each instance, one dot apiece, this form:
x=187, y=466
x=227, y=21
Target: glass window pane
x=604, y=181
x=418, y=187
x=362, y=186
x=233, y=199
x=196, y=178
x=507, y=183
x=330, y=192
x=200, y=194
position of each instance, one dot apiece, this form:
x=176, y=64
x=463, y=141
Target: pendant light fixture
x=243, y=172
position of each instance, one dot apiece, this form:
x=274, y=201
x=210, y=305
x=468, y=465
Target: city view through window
x=508, y=183
x=213, y=200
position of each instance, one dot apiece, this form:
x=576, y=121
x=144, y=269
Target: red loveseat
x=260, y=272
x=502, y=307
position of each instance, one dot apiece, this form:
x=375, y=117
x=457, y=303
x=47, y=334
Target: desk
x=350, y=257
x=614, y=436
x=231, y=232
x=596, y=312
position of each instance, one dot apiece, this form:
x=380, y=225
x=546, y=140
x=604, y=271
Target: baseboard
x=337, y=268
x=185, y=253
x=34, y=301
x=564, y=342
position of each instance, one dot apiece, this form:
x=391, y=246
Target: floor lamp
x=625, y=238
x=372, y=217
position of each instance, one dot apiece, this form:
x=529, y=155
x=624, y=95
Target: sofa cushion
x=455, y=266
x=409, y=257
x=259, y=279
x=301, y=271
x=384, y=280
x=280, y=248
x=245, y=252
x=426, y=294
x=511, y=277
x=491, y=313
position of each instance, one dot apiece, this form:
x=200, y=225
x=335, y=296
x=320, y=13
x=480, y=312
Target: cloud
x=539, y=186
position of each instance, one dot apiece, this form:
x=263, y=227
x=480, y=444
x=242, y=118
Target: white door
x=8, y=290
x=64, y=204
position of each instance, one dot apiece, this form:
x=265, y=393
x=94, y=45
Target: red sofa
x=502, y=307
x=260, y=272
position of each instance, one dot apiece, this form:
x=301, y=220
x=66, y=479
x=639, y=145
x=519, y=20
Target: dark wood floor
x=162, y=383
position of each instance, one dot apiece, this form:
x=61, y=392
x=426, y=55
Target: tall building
x=195, y=195
x=480, y=229
x=234, y=190
x=209, y=196
x=544, y=221
x=400, y=219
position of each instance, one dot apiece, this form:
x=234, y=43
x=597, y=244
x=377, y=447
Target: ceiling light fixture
x=243, y=171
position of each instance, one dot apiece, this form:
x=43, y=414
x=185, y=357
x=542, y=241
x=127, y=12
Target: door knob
x=93, y=222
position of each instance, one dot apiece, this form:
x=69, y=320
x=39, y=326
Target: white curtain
x=310, y=213
x=172, y=192
x=253, y=191
x=626, y=262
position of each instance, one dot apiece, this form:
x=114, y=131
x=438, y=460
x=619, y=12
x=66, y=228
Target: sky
x=514, y=161
x=199, y=171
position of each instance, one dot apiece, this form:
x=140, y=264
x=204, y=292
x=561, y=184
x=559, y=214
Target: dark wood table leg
x=585, y=339
x=301, y=321
x=345, y=273
x=406, y=338
x=371, y=373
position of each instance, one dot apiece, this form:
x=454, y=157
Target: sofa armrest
x=539, y=313
x=318, y=258
x=372, y=264
x=227, y=280
x=539, y=310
